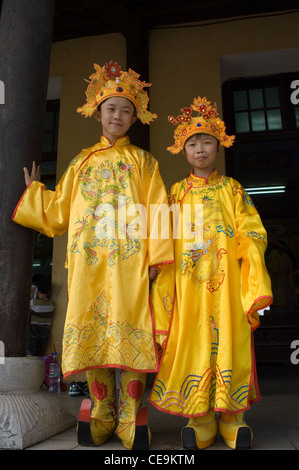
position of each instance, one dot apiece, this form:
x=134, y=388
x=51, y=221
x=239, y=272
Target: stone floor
x=274, y=420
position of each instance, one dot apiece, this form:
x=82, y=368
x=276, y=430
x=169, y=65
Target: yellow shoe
x=101, y=431
x=97, y=417
x=200, y=432
x=132, y=426
x=142, y=436
x=91, y=431
x=235, y=433
x=135, y=435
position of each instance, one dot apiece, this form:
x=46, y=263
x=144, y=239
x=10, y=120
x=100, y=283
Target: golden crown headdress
x=109, y=81
x=207, y=122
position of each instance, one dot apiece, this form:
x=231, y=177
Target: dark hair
x=36, y=277
x=43, y=285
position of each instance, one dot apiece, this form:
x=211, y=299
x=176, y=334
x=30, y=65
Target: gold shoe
x=235, y=433
x=97, y=417
x=200, y=432
x=132, y=427
x=90, y=431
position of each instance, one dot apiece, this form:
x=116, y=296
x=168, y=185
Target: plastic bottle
x=54, y=375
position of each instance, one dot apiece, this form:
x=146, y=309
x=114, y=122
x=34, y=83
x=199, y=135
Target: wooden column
x=138, y=60
x=25, y=46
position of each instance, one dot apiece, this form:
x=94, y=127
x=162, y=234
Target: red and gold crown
x=109, y=81
x=207, y=122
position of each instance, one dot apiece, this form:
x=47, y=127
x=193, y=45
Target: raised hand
x=34, y=176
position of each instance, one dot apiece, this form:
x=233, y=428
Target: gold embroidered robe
x=221, y=283
x=109, y=320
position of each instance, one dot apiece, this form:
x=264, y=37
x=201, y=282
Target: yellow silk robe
x=110, y=320
x=221, y=282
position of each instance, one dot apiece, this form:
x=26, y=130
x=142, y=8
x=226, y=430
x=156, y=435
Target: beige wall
x=184, y=63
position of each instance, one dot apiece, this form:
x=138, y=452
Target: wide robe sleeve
x=160, y=246
x=44, y=210
x=256, y=293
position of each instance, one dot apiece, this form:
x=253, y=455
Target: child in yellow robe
x=110, y=321
x=208, y=367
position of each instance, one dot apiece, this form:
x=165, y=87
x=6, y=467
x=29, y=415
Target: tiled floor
x=274, y=420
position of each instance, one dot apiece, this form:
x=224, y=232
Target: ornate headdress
x=207, y=122
x=109, y=81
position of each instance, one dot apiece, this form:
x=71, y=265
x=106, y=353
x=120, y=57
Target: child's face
x=116, y=116
x=201, y=151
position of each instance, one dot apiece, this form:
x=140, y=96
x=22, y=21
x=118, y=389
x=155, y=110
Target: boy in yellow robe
x=103, y=200
x=208, y=365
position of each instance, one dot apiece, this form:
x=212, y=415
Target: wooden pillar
x=138, y=60
x=25, y=47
